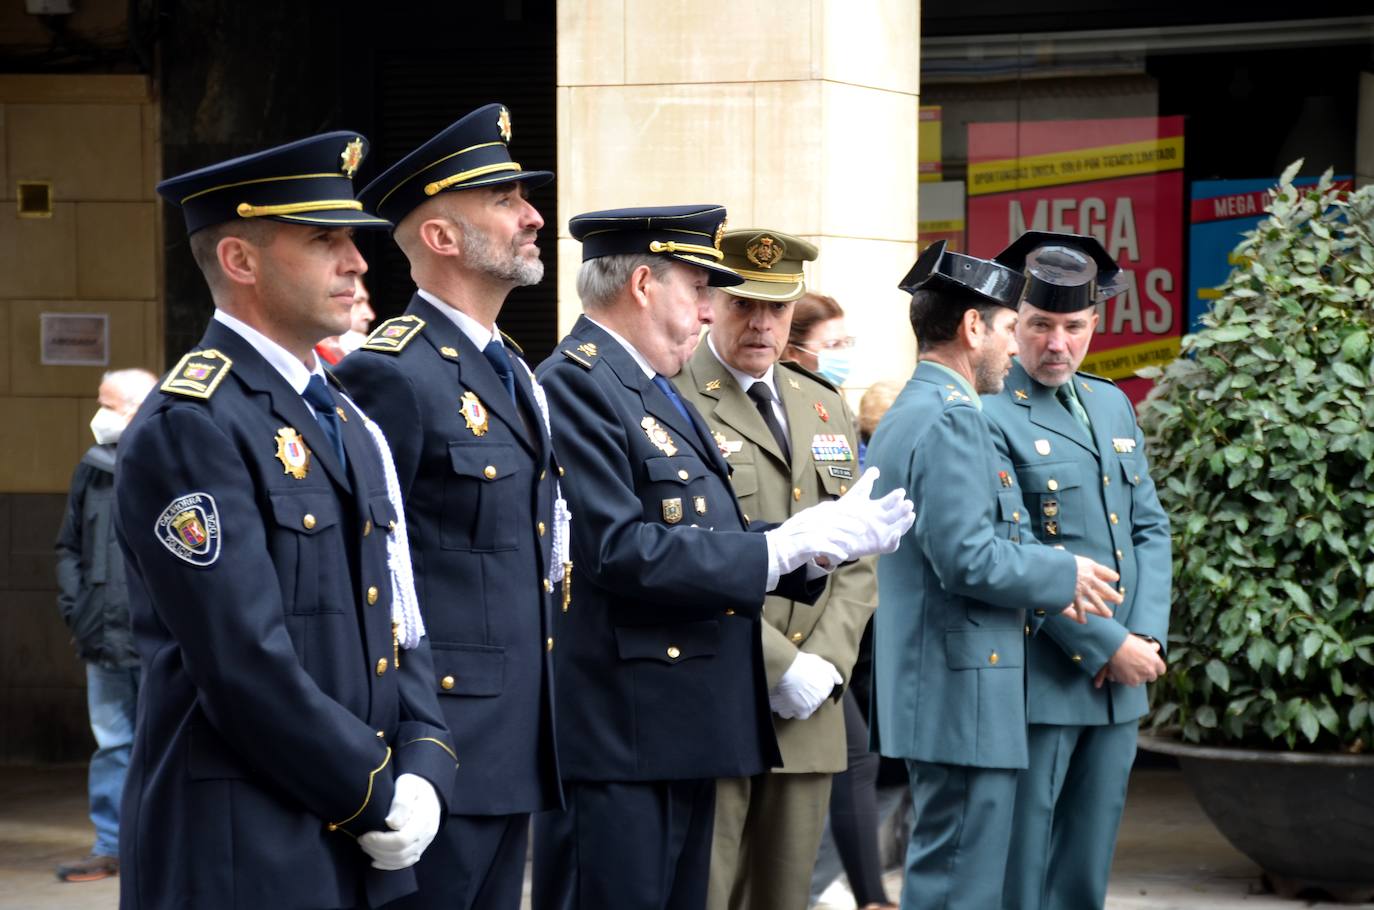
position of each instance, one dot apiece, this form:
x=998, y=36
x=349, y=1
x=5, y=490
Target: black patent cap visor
x=941, y=269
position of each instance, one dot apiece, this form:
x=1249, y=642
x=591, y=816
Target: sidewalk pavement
x=1169, y=857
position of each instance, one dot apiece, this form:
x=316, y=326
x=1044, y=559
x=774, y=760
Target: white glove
x=804, y=687
x=413, y=820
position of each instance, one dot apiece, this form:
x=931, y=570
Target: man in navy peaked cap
x=659, y=656
x=1084, y=484
x=289, y=750
x=469, y=429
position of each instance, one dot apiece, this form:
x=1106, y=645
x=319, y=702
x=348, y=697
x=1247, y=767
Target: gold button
x=489, y=472
x=797, y=637
x=683, y=475
x=729, y=612
x=796, y=494
x=372, y=594
x=1137, y=478
x=381, y=735
x=993, y=658
x=1052, y=484
x=1027, y=630
x=1113, y=518
x=1016, y=515
x=1077, y=658
x=367, y=527
x=331, y=827
x=673, y=652
x=543, y=474
x=391, y=525
x=844, y=488
x=446, y=683
x=548, y=586
x=1122, y=589
x=541, y=529
x=308, y=521
x=561, y=472
x=1106, y=481
x=548, y=643
x=381, y=666
x=1120, y=555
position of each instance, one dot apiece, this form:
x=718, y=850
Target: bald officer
x=949, y=644
x=1085, y=485
x=659, y=652
x=790, y=441
x=473, y=458
x=289, y=747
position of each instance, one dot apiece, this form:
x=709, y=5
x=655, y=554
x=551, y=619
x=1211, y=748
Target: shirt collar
x=964, y=384
x=634, y=352
x=477, y=333
x=744, y=379
x=296, y=373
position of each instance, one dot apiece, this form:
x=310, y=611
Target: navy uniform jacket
x=660, y=649
x=949, y=637
x=272, y=720
x=479, y=514
x=1092, y=494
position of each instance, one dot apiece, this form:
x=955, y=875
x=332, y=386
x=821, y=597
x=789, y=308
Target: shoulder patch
x=798, y=368
x=511, y=343
x=576, y=358
x=198, y=374
x=392, y=336
x=189, y=528
x=1097, y=377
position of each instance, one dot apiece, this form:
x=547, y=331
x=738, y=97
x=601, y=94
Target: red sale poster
x=1118, y=180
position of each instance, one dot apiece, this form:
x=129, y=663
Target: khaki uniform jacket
x=767, y=491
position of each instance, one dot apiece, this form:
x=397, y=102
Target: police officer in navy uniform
x=467, y=426
x=1085, y=485
x=658, y=657
x=949, y=642
x=289, y=750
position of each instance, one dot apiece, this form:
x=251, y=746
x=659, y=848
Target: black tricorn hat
x=1065, y=273
x=940, y=269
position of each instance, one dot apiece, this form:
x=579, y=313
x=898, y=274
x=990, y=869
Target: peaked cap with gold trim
x=470, y=152
x=770, y=262
x=309, y=181
x=691, y=234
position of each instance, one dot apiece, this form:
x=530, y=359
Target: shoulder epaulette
x=576, y=355
x=198, y=374
x=392, y=336
x=798, y=368
x=955, y=396
x=1095, y=376
x=511, y=343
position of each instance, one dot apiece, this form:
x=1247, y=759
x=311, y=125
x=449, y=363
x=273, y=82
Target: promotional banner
x=1119, y=180
x=940, y=215
x=929, y=162
x=1219, y=213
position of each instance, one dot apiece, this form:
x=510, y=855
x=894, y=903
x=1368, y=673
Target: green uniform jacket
x=1092, y=494
x=823, y=467
x=949, y=642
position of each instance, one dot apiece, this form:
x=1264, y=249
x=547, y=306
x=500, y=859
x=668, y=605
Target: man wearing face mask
x=94, y=601
x=790, y=439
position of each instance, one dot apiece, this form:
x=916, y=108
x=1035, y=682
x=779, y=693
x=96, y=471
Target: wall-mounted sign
x=75, y=339
x=1120, y=180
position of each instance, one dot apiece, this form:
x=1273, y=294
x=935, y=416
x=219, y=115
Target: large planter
x=1307, y=819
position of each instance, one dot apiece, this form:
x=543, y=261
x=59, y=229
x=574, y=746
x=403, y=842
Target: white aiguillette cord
x=562, y=517
x=406, y=621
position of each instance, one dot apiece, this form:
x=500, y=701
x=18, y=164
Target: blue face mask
x=833, y=364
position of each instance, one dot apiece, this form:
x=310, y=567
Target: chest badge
x=699, y=504
x=475, y=413
x=293, y=453
x=822, y=413
x=727, y=447
x=831, y=447
x=1042, y=446
x=661, y=440
x=672, y=510
x=1020, y=394
x=1004, y=477
x=1125, y=446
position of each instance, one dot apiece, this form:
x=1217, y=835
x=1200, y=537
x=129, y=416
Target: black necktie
x=763, y=400
x=317, y=394
x=496, y=355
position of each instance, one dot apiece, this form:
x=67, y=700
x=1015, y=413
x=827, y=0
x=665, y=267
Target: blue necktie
x=666, y=388
x=317, y=394
x=496, y=355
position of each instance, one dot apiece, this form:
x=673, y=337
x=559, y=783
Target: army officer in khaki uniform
x=791, y=442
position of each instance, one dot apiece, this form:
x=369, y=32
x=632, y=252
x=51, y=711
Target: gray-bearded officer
x=473, y=457
x=949, y=643
x=660, y=651
x=789, y=438
x=287, y=729
x=1085, y=486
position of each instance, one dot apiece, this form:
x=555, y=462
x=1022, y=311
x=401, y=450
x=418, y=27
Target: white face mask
x=107, y=426
x=833, y=364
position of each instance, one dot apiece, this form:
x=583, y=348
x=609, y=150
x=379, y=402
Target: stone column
x=799, y=117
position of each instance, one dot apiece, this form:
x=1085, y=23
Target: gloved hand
x=804, y=687
x=413, y=820
x=842, y=529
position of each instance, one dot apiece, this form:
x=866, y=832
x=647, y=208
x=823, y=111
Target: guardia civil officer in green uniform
x=790, y=440
x=1085, y=485
x=950, y=640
